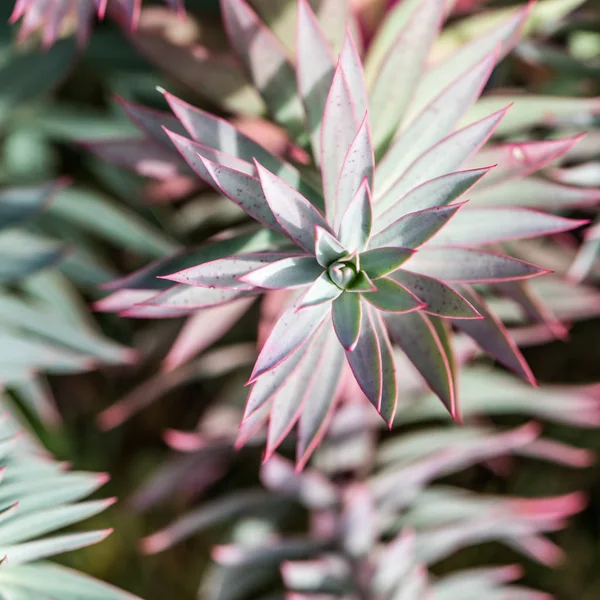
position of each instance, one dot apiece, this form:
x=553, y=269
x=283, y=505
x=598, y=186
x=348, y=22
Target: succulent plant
x=382, y=247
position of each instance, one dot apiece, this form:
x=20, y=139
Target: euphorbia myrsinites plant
x=372, y=236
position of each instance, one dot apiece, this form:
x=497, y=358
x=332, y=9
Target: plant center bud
x=342, y=274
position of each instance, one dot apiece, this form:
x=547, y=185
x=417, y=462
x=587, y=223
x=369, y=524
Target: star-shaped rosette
x=372, y=235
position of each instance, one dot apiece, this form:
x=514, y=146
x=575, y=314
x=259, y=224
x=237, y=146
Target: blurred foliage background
x=56, y=97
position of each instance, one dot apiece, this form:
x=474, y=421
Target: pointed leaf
x=381, y=261
x=451, y=264
x=314, y=70
x=327, y=247
x=338, y=131
x=217, y=133
x=18, y=204
x=417, y=337
x=439, y=298
x=39, y=549
x=289, y=399
x=320, y=398
x=446, y=156
x=290, y=333
x=362, y=283
x=186, y=298
x=483, y=226
x=294, y=213
x=266, y=63
x=152, y=122
x=202, y=330
x=293, y=272
x=347, y=316
x=389, y=384
x=245, y=191
x=193, y=153
x=531, y=110
x=491, y=335
x=226, y=272
x=352, y=65
x=365, y=359
x=435, y=192
x=265, y=387
x=532, y=305
x=516, y=160
x=23, y=255
x=355, y=227
x=534, y=192
x=414, y=229
x=390, y=296
x=444, y=72
x=322, y=290
x=407, y=56
x=435, y=122
x=357, y=167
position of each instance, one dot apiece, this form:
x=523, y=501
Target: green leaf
x=315, y=67
x=322, y=290
x=117, y=224
x=534, y=192
x=491, y=335
x=388, y=100
x=361, y=283
x=213, y=132
x=59, y=582
x=180, y=300
x=31, y=551
x=23, y=254
x=530, y=110
x=287, y=273
x=291, y=331
x=226, y=272
x=347, y=317
x=414, y=229
x=445, y=157
x=265, y=62
x=389, y=384
x=489, y=225
x=338, y=132
x=438, y=77
x=291, y=396
x=381, y=261
x=22, y=528
x=355, y=227
x=365, y=359
x=245, y=191
x=439, y=298
x=26, y=76
x=36, y=318
x=357, y=168
x=390, y=296
x=351, y=64
x=264, y=388
x=147, y=278
x=516, y=160
x=436, y=121
x=417, y=337
x=19, y=204
x=294, y=213
x=465, y=265
x=327, y=248
x=435, y=192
